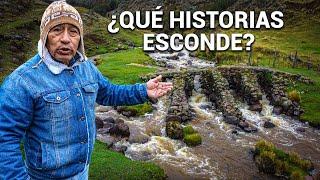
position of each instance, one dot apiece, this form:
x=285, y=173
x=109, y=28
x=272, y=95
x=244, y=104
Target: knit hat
x=59, y=12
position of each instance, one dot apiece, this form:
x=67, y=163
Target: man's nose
x=65, y=39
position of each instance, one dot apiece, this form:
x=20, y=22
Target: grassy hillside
x=19, y=36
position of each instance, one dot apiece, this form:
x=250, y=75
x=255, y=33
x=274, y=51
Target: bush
x=263, y=145
x=266, y=162
x=294, y=95
x=303, y=164
x=282, y=167
x=188, y=130
x=296, y=175
x=271, y=160
x=192, y=139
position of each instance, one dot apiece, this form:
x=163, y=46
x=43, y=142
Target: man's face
x=63, y=41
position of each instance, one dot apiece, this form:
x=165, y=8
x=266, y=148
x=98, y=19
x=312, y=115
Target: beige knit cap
x=59, y=12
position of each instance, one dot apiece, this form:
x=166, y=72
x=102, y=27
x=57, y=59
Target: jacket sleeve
x=116, y=95
x=16, y=106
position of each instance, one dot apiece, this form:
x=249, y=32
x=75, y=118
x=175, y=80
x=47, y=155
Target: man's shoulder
x=24, y=68
x=27, y=66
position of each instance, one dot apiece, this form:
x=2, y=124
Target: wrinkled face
x=63, y=41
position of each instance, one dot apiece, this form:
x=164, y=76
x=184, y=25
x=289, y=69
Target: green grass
x=141, y=109
x=310, y=95
x=107, y=164
x=118, y=68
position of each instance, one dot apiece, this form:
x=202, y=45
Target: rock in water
x=268, y=124
x=256, y=107
x=231, y=120
x=120, y=129
x=277, y=110
x=174, y=130
x=99, y=123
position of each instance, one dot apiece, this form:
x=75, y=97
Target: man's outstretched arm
x=114, y=95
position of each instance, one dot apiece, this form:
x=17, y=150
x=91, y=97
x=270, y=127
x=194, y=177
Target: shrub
x=294, y=95
x=192, y=139
x=271, y=160
x=296, y=175
x=266, y=162
x=282, y=167
x=263, y=145
x=303, y=164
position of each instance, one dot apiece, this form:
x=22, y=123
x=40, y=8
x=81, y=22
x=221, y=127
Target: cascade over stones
x=245, y=83
x=216, y=87
x=223, y=84
x=274, y=85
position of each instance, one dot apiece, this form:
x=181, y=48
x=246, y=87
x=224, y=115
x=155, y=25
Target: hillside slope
x=20, y=32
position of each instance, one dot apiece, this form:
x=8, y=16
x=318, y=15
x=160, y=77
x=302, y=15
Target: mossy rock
x=188, y=130
x=174, y=130
x=192, y=139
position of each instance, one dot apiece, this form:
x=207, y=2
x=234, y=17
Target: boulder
x=108, y=119
x=120, y=129
x=250, y=129
x=119, y=148
x=286, y=104
x=103, y=108
x=256, y=107
x=268, y=124
x=127, y=112
x=181, y=54
x=99, y=122
x=137, y=135
x=243, y=124
x=107, y=139
x=300, y=129
x=231, y=120
x=277, y=110
x=174, y=57
x=173, y=118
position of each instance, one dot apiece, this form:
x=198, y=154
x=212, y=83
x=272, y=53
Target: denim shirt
x=53, y=113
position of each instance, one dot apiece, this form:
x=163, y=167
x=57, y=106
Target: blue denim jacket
x=53, y=113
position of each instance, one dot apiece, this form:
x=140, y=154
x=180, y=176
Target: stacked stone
x=244, y=82
x=216, y=87
x=274, y=85
x=282, y=104
x=251, y=91
x=179, y=109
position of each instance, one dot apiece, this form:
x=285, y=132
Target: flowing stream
x=226, y=151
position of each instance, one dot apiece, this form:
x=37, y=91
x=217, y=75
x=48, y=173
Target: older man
x=49, y=103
